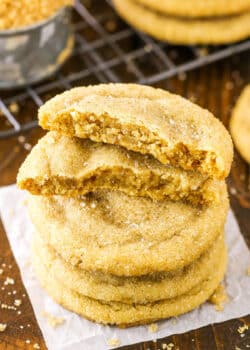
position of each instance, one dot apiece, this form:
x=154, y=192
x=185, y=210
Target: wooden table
x=215, y=87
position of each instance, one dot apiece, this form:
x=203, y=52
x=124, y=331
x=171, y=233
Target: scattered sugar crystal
x=9, y=281
x=153, y=327
x=113, y=342
x=17, y=302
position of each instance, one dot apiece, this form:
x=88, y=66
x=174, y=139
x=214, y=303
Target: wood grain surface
x=215, y=87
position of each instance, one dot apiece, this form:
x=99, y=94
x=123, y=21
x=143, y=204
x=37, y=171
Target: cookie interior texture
x=88, y=166
x=123, y=235
x=198, y=8
x=145, y=120
x=122, y=314
x=240, y=124
x=180, y=30
x=141, y=289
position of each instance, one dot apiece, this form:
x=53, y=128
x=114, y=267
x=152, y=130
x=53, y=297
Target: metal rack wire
x=105, y=48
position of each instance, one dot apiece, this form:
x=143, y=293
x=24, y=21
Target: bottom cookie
x=125, y=315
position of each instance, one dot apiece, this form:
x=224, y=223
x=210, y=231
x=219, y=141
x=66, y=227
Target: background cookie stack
x=129, y=202
x=189, y=22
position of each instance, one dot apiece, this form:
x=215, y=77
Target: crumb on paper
x=9, y=281
x=17, y=302
x=153, y=327
x=219, y=298
x=36, y=346
x=113, y=342
x=24, y=202
x=248, y=271
x=174, y=320
x=52, y=320
x=3, y=326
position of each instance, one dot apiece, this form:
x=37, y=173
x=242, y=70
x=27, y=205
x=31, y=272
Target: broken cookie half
x=62, y=165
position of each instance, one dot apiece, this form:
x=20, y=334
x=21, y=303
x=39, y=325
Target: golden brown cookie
x=129, y=290
x=114, y=233
x=125, y=315
x=146, y=120
x=197, y=8
x=180, y=30
x=62, y=165
x=240, y=124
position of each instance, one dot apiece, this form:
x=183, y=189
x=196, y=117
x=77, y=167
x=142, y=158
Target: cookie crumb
x=36, y=346
x=113, y=342
x=17, y=302
x=27, y=341
x=219, y=298
x=153, y=327
x=233, y=191
x=169, y=346
x=1, y=271
x=27, y=146
x=9, y=281
x=243, y=328
x=52, y=320
x=3, y=326
x=21, y=139
x=248, y=271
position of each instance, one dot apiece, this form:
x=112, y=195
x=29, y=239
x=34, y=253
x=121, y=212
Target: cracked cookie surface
x=129, y=290
x=114, y=233
x=125, y=315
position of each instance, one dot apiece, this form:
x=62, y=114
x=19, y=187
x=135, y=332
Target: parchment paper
x=78, y=334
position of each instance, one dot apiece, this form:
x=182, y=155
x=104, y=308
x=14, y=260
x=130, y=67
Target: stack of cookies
x=129, y=202
x=189, y=22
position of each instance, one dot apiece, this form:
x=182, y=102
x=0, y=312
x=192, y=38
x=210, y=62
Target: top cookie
x=240, y=124
x=146, y=120
x=198, y=8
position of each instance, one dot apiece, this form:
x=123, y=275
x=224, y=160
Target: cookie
x=114, y=233
x=140, y=290
x=197, y=8
x=180, y=30
x=240, y=124
x=145, y=120
x=88, y=166
x=121, y=314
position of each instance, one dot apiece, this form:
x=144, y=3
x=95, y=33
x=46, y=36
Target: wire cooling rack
x=106, y=50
